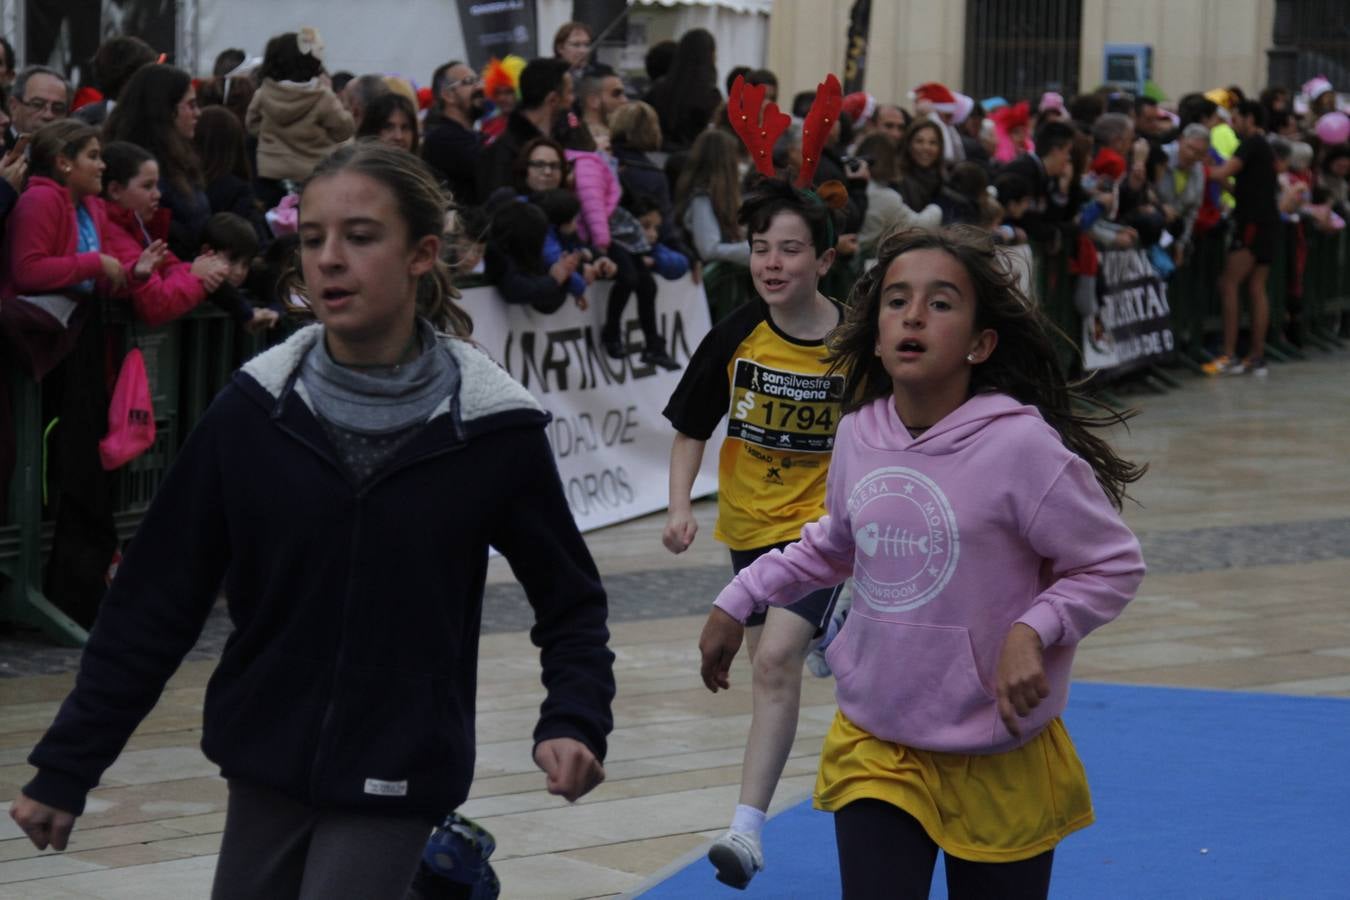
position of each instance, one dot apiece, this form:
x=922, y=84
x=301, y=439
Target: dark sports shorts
x=1258, y=238
x=815, y=607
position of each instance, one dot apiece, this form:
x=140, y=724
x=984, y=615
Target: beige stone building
x=1195, y=44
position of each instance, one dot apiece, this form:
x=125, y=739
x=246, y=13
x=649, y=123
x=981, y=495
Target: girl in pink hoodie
x=978, y=516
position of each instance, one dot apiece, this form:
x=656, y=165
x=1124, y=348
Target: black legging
x=631, y=276
x=885, y=853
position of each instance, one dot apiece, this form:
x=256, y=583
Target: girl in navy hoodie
x=977, y=514
x=342, y=710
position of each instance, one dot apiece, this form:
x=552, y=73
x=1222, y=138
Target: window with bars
x=1019, y=48
x=1320, y=32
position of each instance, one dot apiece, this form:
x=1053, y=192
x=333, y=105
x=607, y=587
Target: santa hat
x=937, y=95
x=859, y=106
x=85, y=96
x=1316, y=87
x=1109, y=163
x=1010, y=117
x=964, y=105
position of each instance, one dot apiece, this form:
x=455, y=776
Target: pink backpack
x=131, y=417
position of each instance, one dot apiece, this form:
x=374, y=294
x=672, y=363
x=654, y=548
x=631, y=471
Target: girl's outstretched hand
x=721, y=638
x=1022, y=684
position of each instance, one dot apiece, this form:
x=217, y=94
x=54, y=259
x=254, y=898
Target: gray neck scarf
x=382, y=400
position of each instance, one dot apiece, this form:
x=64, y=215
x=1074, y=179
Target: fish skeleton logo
x=906, y=537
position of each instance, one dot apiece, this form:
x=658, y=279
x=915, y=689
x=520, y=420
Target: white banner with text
x=608, y=435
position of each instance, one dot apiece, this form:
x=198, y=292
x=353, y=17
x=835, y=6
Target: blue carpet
x=1198, y=794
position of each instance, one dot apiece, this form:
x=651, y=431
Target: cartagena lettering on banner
x=610, y=441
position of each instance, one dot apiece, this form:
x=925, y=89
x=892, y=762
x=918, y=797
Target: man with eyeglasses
x=40, y=96
x=601, y=93
x=450, y=145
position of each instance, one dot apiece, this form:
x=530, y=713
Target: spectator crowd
x=132, y=200
x=566, y=180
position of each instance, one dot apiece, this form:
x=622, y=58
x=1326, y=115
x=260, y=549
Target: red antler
x=743, y=111
x=816, y=130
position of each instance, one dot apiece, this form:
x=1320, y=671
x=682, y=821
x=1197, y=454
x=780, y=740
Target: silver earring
x=970, y=357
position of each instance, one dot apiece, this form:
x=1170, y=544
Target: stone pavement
x=1245, y=520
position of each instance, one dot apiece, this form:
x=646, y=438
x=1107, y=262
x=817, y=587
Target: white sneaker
x=737, y=857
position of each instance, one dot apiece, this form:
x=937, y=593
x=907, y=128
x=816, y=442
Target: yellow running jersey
x=781, y=409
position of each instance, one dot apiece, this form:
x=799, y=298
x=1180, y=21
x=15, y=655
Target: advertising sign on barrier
x=1133, y=323
x=610, y=440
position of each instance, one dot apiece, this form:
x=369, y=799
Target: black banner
x=1132, y=326
x=855, y=55
x=498, y=28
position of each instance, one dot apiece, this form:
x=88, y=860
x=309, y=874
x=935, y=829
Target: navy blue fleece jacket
x=349, y=679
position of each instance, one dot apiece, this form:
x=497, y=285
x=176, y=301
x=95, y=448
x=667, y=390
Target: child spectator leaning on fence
x=513, y=262
x=162, y=287
x=232, y=239
x=976, y=511
x=56, y=256
x=662, y=259
x=562, y=209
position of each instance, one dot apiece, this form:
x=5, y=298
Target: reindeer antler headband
x=761, y=126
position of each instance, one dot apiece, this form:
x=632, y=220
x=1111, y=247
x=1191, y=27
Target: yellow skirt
x=1002, y=807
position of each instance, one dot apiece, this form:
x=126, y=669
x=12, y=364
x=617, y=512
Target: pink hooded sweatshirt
x=983, y=521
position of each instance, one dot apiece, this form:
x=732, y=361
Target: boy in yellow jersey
x=764, y=368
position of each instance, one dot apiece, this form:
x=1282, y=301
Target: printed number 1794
x=803, y=416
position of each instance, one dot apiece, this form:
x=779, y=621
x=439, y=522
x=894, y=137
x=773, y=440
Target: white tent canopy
x=413, y=37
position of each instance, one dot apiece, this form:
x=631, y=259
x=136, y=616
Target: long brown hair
x=145, y=114
x=1024, y=364
x=220, y=144
x=712, y=169
x=421, y=204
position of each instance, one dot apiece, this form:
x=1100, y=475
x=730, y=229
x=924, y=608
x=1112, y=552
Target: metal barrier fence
x=187, y=362
x=190, y=360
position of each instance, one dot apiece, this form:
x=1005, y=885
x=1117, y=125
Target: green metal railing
x=187, y=362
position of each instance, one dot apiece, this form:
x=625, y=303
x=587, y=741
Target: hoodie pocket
x=913, y=684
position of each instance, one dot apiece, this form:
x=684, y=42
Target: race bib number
x=784, y=410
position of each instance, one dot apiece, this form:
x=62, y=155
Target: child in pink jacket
x=977, y=514
x=162, y=287
x=54, y=236
x=598, y=189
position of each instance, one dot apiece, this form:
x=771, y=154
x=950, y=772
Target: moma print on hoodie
x=983, y=521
